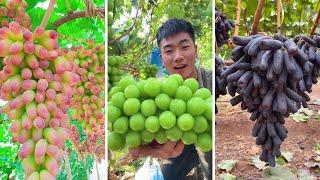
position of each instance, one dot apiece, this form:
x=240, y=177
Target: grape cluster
x=310, y=45
x=271, y=77
x=222, y=27
x=148, y=71
x=114, y=71
x=159, y=109
x=37, y=85
x=14, y=10
x=219, y=67
x=88, y=98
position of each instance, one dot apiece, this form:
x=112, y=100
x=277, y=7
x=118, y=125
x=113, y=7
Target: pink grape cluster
x=14, y=10
x=37, y=85
x=88, y=99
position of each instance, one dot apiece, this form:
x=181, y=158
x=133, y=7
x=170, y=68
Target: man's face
x=178, y=54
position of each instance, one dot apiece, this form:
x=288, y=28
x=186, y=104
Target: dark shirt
x=204, y=78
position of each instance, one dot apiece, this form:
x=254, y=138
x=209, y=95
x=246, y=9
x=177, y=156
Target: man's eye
x=185, y=47
x=168, y=51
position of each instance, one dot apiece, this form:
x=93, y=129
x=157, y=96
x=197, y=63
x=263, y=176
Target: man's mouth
x=180, y=66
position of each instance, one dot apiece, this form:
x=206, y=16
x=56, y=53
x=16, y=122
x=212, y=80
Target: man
x=178, y=50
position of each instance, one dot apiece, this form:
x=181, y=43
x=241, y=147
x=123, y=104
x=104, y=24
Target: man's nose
x=178, y=56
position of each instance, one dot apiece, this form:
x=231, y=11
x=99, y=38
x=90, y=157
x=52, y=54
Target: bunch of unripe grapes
x=148, y=71
x=222, y=27
x=219, y=67
x=88, y=98
x=114, y=71
x=271, y=76
x=37, y=86
x=159, y=110
x=14, y=10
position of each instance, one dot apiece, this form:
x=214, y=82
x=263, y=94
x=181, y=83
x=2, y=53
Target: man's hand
x=170, y=149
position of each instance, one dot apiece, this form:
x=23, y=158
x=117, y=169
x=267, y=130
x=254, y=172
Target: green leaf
x=306, y=111
x=33, y=3
x=227, y=176
x=257, y=162
x=301, y=115
x=277, y=173
x=281, y=161
x=227, y=165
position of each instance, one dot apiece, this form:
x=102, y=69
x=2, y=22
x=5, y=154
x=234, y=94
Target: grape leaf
x=277, y=173
x=227, y=165
x=227, y=176
x=257, y=162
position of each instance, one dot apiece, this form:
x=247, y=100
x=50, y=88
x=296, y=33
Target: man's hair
x=174, y=26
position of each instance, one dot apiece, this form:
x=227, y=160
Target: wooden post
x=257, y=17
x=278, y=16
x=236, y=30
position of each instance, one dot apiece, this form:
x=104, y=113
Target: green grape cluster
x=170, y=108
x=148, y=71
x=114, y=71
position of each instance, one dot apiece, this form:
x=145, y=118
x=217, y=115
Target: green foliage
x=80, y=28
x=10, y=165
x=78, y=167
x=137, y=44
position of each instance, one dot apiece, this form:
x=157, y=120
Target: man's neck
x=194, y=74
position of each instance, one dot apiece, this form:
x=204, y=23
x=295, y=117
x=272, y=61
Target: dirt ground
x=234, y=140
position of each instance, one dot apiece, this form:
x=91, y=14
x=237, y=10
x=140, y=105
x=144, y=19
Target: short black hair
x=174, y=26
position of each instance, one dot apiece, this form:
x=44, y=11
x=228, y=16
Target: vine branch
x=236, y=30
x=46, y=17
x=278, y=16
x=257, y=17
x=316, y=22
x=75, y=15
x=135, y=20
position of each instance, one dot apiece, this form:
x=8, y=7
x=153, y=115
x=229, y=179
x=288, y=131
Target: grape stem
x=48, y=13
